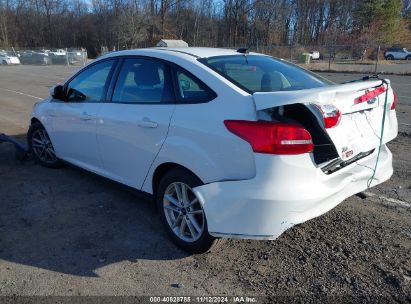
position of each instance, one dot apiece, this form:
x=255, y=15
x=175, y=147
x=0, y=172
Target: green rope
x=382, y=133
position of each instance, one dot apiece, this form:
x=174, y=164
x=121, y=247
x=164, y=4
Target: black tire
x=4, y=62
x=179, y=175
x=408, y=58
x=49, y=161
x=389, y=57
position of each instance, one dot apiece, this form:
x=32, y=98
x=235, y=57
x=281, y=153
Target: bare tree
x=121, y=24
x=4, y=11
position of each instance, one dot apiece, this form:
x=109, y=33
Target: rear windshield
x=256, y=73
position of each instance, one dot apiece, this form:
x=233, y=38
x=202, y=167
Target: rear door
x=361, y=105
x=134, y=124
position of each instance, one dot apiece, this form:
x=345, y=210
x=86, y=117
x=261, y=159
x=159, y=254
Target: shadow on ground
x=71, y=221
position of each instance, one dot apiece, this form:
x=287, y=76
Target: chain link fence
x=344, y=58
x=333, y=58
x=43, y=56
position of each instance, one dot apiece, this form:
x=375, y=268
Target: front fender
x=41, y=112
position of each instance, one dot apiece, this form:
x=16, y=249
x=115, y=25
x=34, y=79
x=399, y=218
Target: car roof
x=198, y=52
x=203, y=52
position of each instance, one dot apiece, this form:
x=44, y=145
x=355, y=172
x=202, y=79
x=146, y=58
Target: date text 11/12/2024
x=203, y=299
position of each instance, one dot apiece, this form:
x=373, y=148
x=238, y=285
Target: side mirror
x=185, y=84
x=57, y=92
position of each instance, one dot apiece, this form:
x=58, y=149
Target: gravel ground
x=399, y=67
x=68, y=232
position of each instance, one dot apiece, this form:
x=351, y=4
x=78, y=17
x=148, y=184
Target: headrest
x=266, y=83
x=271, y=82
x=146, y=74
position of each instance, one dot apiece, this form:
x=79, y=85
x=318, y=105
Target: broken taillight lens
x=370, y=94
x=331, y=115
x=272, y=138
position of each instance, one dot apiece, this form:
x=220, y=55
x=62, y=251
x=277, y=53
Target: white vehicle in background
x=58, y=52
x=315, y=55
x=230, y=144
x=397, y=54
x=7, y=58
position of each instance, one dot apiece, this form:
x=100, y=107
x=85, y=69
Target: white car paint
x=8, y=59
x=397, y=54
x=315, y=55
x=73, y=134
x=287, y=191
x=144, y=129
x=245, y=194
x=59, y=52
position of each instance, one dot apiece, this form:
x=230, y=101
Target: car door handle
x=147, y=124
x=86, y=116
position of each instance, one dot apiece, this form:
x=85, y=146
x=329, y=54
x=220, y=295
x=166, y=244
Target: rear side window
x=190, y=89
x=256, y=73
x=143, y=81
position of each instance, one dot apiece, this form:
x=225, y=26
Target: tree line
x=120, y=24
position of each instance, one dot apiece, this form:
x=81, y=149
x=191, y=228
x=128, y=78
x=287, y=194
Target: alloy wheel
x=42, y=146
x=184, y=212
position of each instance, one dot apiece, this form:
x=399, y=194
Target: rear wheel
x=41, y=146
x=389, y=57
x=182, y=213
x=408, y=58
x=4, y=62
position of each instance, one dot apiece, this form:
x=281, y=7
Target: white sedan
x=230, y=144
x=8, y=59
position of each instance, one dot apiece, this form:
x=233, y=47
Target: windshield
x=256, y=73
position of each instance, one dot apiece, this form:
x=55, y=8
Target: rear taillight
x=370, y=95
x=331, y=115
x=394, y=102
x=272, y=138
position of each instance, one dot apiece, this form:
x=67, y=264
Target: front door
x=75, y=119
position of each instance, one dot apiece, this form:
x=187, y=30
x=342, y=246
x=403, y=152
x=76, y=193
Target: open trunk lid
x=361, y=105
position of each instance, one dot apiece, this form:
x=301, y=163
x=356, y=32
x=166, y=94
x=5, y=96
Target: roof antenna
x=243, y=50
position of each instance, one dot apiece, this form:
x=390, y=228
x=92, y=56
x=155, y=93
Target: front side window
x=143, y=81
x=256, y=73
x=90, y=84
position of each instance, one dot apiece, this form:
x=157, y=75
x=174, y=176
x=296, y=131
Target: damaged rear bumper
x=286, y=191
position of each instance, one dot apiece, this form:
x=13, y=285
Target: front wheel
x=41, y=146
x=182, y=213
x=408, y=58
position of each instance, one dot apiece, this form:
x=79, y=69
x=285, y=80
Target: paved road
x=21, y=87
